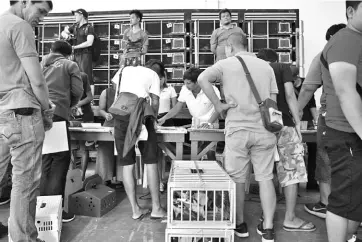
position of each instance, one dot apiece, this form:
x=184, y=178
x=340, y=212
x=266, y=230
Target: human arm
x=23, y=42
x=86, y=44
x=211, y=75
x=344, y=81
x=102, y=106
x=172, y=113
x=155, y=103
x=293, y=105
x=173, y=97
x=144, y=44
x=213, y=41
x=305, y=95
x=76, y=90
x=86, y=100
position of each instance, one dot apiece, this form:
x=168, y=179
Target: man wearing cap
x=83, y=33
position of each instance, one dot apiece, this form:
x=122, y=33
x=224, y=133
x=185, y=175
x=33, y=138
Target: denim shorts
x=147, y=148
x=323, y=165
x=345, y=153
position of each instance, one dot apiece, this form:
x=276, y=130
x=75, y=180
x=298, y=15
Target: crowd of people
x=60, y=88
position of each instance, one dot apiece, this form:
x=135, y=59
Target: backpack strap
x=324, y=62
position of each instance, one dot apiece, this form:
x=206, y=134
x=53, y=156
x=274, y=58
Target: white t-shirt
x=201, y=108
x=167, y=94
x=139, y=80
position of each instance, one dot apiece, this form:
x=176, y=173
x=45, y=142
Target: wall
x=317, y=15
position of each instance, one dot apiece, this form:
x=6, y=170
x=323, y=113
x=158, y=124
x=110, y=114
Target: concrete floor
x=117, y=225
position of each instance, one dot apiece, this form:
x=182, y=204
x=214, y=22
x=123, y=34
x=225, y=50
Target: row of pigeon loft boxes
x=199, y=235
x=157, y=45
x=159, y=28
x=204, y=59
x=200, y=195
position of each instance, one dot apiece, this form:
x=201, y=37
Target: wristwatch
x=210, y=125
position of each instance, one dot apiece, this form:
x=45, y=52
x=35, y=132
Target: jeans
x=54, y=170
x=21, y=142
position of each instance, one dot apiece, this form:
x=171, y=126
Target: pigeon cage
x=200, y=195
x=199, y=235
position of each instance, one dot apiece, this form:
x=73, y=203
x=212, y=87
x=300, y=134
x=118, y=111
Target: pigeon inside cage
x=201, y=205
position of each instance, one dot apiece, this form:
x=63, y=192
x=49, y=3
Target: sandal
x=304, y=227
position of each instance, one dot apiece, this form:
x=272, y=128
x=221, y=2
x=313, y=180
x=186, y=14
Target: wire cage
x=200, y=195
x=199, y=235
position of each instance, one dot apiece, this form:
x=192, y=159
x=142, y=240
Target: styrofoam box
x=48, y=218
x=200, y=195
x=202, y=235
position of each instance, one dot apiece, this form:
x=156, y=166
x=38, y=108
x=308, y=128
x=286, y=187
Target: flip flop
x=142, y=215
x=157, y=218
x=302, y=228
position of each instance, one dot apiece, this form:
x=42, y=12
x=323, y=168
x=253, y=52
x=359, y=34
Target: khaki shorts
x=291, y=167
x=243, y=147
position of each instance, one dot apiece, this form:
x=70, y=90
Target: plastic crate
x=48, y=218
x=200, y=195
x=199, y=235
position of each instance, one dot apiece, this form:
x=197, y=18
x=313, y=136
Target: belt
x=24, y=111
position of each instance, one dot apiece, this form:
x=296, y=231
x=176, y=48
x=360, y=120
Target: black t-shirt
x=283, y=74
x=81, y=33
x=88, y=115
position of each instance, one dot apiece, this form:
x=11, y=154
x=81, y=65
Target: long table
x=215, y=135
x=165, y=136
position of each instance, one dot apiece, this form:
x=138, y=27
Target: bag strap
x=324, y=62
x=119, y=82
x=250, y=80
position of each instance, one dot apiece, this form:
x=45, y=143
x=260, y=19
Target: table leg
x=194, y=150
x=84, y=159
x=179, y=150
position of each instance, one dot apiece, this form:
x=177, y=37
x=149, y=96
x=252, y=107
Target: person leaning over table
x=138, y=85
x=200, y=107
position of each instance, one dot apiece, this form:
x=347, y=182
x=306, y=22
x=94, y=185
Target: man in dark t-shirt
x=83, y=33
x=291, y=168
x=342, y=81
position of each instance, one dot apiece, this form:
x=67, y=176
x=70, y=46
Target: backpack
x=96, y=47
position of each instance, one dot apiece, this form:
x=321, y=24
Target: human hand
x=161, y=121
x=300, y=114
x=206, y=126
x=47, y=122
x=222, y=108
x=109, y=117
x=298, y=129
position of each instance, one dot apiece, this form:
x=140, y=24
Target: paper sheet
x=56, y=139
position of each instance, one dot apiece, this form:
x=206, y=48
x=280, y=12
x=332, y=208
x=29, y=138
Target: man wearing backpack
x=83, y=33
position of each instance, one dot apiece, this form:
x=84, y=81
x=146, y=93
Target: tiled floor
x=118, y=226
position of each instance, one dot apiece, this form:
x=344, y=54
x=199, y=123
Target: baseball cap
x=81, y=11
